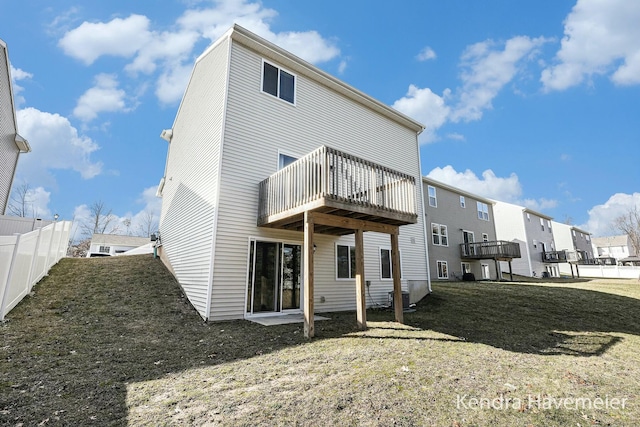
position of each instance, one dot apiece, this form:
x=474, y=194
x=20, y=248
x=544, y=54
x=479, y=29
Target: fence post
x=53, y=234
x=34, y=260
x=3, y=304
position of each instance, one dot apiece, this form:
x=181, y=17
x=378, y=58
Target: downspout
x=424, y=219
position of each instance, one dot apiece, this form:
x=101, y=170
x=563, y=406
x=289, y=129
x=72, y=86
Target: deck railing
x=554, y=256
x=499, y=249
x=333, y=174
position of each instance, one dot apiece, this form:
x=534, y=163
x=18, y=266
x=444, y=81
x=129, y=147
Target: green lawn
x=112, y=341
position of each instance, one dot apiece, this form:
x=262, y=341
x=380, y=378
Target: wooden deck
x=332, y=182
x=499, y=250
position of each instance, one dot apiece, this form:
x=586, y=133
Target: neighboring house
x=11, y=144
x=114, y=244
x=533, y=231
x=462, y=234
x=613, y=247
x=573, y=245
x=285, y=190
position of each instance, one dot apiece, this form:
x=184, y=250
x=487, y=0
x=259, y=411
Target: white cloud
x=456, y=136
x=118, y=37
x=540, y=204
x=170, y=54
x=39, y=199
x=486, y=70
x=342, y=66
x=489, y=185
x=600, y=38
x=56, y=145
x=426, y=107
x=16, y=75
x=601, y=217
x=128, y=223
x=426, y=54
x=104, y=96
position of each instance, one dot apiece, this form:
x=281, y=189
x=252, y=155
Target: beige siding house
x=11, y=144
x=462, y=234
x=275, y=166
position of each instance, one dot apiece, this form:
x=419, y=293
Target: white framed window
x=535, y=244
x=285, y=160
x=386, y=266
x=549, y=225
x=528, y=217
x=345, y=262
x=542, y=224
x=462, y=202
x=443, y=270
x=104, y=249
x=483, y=211
x=278, y=82
x=485, y=237
x=439, y=234
x=465, y=267
x=433, y=199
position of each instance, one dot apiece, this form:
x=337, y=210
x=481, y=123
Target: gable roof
x=271, y=51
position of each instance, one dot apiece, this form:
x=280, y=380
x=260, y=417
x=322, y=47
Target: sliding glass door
x=274, y=277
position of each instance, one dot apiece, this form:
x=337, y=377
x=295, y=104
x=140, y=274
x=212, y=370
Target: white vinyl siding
x=189, y=194
x=8, y=150
x=276, y=127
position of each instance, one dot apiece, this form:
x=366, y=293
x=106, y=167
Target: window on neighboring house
x=466, y=267
x=284, y=160
x=542, y=224
x=528, y=217
x=439, y=234
x=433, y=200
x=462, y=202
x=345, y=262
x=104, y=249
x=443, y=271
x=277, y=82
x=386, y=267
x=535, y=244
x=483, y=211
x=549, y=225
x=485, y=237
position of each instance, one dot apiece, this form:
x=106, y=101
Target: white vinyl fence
x=27, y=258
x=610, y=271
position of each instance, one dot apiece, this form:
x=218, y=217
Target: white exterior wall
x=537, y=236
x=10, y=225
x=509, y=222
x=8, y=150
x=257, y=127
x=191, y=177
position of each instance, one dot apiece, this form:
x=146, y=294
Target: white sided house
x=286, y=190
x=533, y=231
x=114, y=244
x=11, y=144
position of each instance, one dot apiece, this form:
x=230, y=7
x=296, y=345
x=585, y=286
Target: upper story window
x=433, y=200
x=284, y=160
x=483, y=211
x=485, y=237
x=528, y=217
x=462, y=202
x=278, y=82
x=439, y=234
x=542, y=224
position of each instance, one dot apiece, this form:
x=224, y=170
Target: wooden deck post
x=308, y=275
x=395, y=268
x=361, y=301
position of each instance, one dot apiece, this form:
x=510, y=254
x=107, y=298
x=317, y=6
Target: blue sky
x=530, y=102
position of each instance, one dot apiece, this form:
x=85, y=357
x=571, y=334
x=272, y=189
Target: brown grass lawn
x=114, y=342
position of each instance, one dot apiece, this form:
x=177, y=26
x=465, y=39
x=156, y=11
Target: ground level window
x=386, y=267
x=443, y=271
x=345, y=262
x=104, y=249
x=466, y=267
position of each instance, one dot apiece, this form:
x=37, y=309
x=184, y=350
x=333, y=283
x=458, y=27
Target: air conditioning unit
x=405, y=300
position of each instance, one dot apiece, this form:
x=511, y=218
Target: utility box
x=405, y=300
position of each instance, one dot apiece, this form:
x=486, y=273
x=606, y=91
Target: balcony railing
x=338, y=182
x=497, y=250
x=554, y=256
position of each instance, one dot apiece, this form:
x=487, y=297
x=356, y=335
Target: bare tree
x=21, y=200
x=629, y=224
x=148, y=224
x=127, y=224
x=101, y=221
